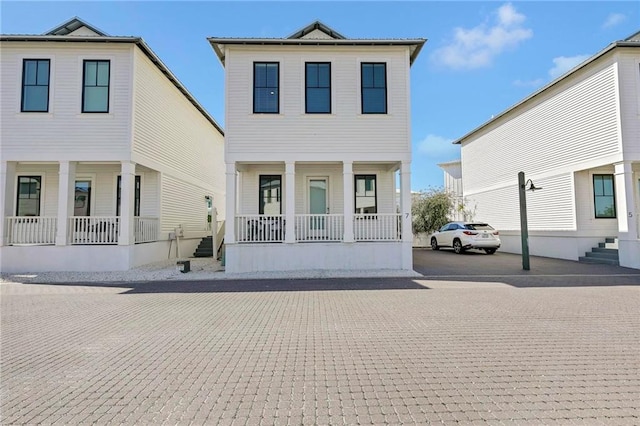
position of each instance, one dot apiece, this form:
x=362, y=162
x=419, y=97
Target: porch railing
x=319, y=227
x=94, y=230
x=258, y=228
x=146, y=229
x=377, y=227
x=31, y=230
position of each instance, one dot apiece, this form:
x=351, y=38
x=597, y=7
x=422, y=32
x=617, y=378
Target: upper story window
x=95, y=86
x=35, y=85
x=318, y=88
x=374, y=88
x=266, y=83
x=604, y=196
x=366, y=200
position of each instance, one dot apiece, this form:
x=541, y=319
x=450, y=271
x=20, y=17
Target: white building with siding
x=317, y=127
x=104, y=154
x=578, y=138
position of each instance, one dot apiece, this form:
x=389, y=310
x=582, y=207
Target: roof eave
x=549, y=85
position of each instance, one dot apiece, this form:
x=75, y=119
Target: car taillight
x=469, y=233
x=496, y=233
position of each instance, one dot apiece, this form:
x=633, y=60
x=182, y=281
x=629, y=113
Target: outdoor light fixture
x=524, y=230
x=531, y=187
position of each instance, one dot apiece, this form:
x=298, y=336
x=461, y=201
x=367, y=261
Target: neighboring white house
x=453, y=185
x=317, y=125
x=103, y=154
x=579, y=139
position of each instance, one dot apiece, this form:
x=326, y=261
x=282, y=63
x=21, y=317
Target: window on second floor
x=604, y=196
x=373, y=82
x=366, y=200
x=35, y=85
x=95, y=86
x=266, y=83
x=318, y=88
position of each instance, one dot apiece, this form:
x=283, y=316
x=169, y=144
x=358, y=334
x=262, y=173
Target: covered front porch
x=324, y=215
x=75, y=204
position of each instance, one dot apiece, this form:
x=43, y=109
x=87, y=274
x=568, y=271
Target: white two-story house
x=317, y=137
x=104, y=153
x=578, y=138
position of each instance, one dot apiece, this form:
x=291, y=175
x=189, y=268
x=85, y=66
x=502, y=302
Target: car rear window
x=478, y=227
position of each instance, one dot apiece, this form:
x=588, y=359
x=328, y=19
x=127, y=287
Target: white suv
x=466, y=235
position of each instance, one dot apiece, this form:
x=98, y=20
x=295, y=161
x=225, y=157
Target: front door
x=318, y=204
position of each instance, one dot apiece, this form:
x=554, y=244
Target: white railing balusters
x=258, y=228
x=31, y=230
x=319, y=227
x=146, y=229
x=377, y=227
x=94, y=229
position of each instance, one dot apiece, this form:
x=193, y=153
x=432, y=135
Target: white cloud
x=477, y=47
x=613, y=19
x=562, y=64
x=529, y=83
x=438, y=147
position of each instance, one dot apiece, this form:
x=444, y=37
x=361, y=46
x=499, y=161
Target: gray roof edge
x=135, y=40
x=316, y=25
x=81, y=21
x=547, y=86
x=449, y=163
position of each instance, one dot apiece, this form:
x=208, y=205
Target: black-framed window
x=136, y=203
x=266, y=87
x=373, y=80
x=270, y=196
x=604, y=198
x=318, y=88
x=366, y=197
x=29, y=190
x=35, y=85
x=95, y=85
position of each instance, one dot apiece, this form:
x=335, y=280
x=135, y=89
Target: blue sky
x=480, y=58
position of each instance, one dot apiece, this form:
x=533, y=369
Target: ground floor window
x=604, y=196
x=136, y=205
x=82, y=199
x=365, y=194
x=270, y=196
x=29, y=188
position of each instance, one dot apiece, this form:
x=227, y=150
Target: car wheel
x=490, y=251
x=434, y=244
x=457, y=246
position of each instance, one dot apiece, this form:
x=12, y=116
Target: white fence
x=377, y=227
x=146, y=229
x=258, y=228
x=31, y=230
x=319, y=227
x=94, y=230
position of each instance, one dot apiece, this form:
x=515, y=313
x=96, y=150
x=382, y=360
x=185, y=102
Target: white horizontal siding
x=575, y=124
x=549, y=209
x=170, y=135
x=345, y=130
x=64, y=133
x=183, y=204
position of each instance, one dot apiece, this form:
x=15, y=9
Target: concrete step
x=604, y=250
x=602, y=255
x=597, y=260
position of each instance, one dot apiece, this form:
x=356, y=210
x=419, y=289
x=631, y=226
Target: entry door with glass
x=318, y=205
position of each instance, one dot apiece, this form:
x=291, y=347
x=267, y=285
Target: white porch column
x=7, y=195
x=405, y=201
x=290, y=212
x=230, y=215
x=625, y=204
x=127, y=203
x=66, y=197
x=347, y=183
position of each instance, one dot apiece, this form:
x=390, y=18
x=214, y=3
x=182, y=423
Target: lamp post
x=524, y=229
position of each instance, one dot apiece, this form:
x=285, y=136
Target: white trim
x=98, y=56
x=307, y=194
x=91, y=177
x=20, y=73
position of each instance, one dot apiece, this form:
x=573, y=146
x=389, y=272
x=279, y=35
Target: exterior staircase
x=606, y=253
x=205, y=248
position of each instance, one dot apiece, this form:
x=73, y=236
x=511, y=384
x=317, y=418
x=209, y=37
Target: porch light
x=524, y=230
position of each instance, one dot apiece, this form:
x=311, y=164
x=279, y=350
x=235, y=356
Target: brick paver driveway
x=365, y=351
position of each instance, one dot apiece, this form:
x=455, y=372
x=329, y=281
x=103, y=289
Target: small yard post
x=524, y=230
